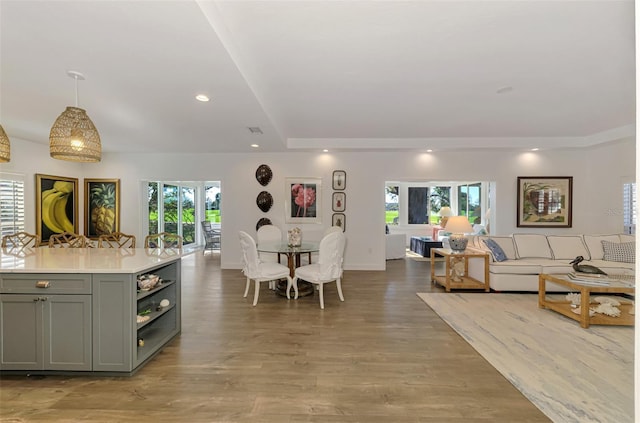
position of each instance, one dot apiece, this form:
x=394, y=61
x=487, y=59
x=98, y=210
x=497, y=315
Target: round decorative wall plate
x=264, y=174
x=262, y=222
x=264, y=201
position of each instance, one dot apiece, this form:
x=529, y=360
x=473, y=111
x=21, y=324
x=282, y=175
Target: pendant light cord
x=75, y=77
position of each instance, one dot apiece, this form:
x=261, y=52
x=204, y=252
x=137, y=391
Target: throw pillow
x=623, y=252
x=496, y=251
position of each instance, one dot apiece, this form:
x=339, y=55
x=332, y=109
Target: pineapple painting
x=102, y=211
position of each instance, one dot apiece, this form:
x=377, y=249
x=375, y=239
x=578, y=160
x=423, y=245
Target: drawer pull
x=42, y=284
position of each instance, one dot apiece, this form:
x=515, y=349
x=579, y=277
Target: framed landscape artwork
x=101, y=207
x=56, y=206
x=544, y=201
x=303, y=200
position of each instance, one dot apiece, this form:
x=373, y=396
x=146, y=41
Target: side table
x=457, y=269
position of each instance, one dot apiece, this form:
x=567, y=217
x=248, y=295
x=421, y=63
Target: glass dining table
x=293, y=260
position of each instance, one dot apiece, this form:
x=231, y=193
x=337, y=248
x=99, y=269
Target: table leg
x=584, y=308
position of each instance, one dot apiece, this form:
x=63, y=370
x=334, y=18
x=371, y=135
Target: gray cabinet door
x=20, y=332
x=67, y=332
x=50, y=332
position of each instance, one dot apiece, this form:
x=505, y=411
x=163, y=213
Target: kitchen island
x=76, y=309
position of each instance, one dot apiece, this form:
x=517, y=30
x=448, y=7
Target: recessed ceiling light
x=325, y=151
x=504, y=90
x=429, y=151
x=202, y=97
x=535, y=149
x=255, y=145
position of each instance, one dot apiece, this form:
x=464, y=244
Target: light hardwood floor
x=381, y=356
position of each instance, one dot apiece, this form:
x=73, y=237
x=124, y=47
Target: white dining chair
x=257, y=270
x=327, y=231
x=269, y=234
x=327, y=269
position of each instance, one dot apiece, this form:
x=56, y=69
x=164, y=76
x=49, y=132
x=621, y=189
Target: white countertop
x=86, y=260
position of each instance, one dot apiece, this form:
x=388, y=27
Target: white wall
x=598, y=174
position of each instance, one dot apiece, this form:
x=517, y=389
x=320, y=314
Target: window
x=171, y=209
x=11, y=204
x=391, y=204
x=629, y=208
x=179, y=207
x=469, y=202
x=418, y=205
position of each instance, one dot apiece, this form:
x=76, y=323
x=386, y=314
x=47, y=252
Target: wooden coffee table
x=564, y=306
x=454, y=279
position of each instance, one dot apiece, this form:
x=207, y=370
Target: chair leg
x=339, y=285
x=295, y=287
x=321, y=289
x=256, y=293
x=246, y=288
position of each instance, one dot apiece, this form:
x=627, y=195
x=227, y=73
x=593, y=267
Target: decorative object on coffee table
x=458, y=226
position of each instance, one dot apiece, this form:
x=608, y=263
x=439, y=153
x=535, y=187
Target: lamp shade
x=5, y=146
x=458, y=225
x=445, y=211
x=73, y=137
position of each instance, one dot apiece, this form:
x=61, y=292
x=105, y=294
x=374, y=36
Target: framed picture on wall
x=338, y=219
x=101, y=207
x=303, y=200
x=544, y=201
x=338, y=201
x=56, y=206
x=339, y=180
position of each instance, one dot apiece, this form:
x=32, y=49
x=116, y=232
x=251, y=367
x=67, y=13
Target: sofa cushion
x=532, y=246
x=627, y=238
x=515, y=267
x=624, y=252
x=567, y=247
x=496, y=251
x=594, y=244
x=505, y=242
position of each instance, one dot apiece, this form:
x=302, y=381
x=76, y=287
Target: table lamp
x=445, y=212
x=458, y=226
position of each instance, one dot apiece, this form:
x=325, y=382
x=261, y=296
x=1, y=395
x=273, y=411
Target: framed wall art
x=338, y=201
x=544, y=201
x=303, y=200
x=56, y=206
x=338, y=219
x=101, y=207
x=339, y=180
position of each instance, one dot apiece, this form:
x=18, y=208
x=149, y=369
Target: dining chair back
x=67, y=240
x=327, y=269
x=20, y=240
x=269, y=234
x=257, y=270
x=163, y=240
x=116, y=240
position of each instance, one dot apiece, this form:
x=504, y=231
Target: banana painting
x=54, y=204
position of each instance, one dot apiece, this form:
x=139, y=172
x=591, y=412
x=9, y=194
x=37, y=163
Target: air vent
x=255, y=130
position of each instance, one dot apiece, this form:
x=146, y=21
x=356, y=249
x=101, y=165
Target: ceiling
x=342, y=75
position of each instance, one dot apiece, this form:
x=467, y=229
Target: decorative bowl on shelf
x=147, y=282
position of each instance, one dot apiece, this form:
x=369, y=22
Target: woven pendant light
x=73, y=135
x=5, y=147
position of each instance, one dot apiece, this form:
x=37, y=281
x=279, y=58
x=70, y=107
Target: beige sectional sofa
x=528, y=255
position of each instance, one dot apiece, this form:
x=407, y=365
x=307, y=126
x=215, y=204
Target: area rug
x=571, y=374
x=418, y=257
